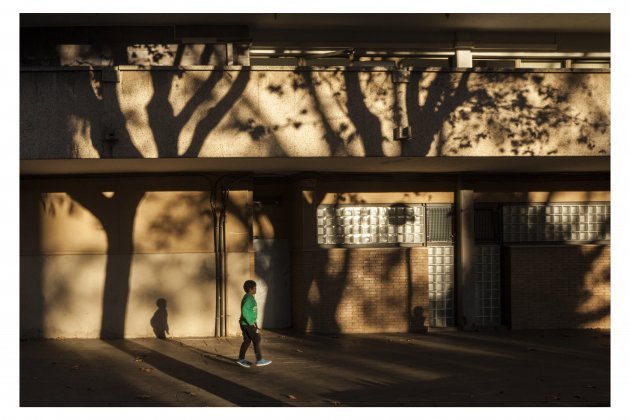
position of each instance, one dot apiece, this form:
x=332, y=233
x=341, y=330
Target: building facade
x=373, y=174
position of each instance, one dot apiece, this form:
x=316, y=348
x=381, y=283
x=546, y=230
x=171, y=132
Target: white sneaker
x=243, y=362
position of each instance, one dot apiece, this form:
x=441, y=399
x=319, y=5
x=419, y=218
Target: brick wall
x=360, y=290
x=557, y=287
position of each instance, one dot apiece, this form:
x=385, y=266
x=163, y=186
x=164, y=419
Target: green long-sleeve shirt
x=249, y=310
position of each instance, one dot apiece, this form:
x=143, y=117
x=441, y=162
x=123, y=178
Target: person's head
x=250, y=287
x=161, y=303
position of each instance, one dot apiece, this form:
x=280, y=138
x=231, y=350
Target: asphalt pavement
x=438, y=369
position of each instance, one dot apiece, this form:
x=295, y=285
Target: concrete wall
x=96, y=254
x=557, y=287
x=260, y=112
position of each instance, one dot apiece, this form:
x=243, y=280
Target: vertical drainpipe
x=220, y=246
x=217, y=280
x=216, y=216
x=223, y=256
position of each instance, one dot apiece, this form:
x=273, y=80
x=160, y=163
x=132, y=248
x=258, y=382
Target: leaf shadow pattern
x=514, y=113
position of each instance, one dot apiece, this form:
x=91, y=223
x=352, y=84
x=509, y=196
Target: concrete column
x=305, y=210
x=465, y=246
x=239, y=243
x=304, y=238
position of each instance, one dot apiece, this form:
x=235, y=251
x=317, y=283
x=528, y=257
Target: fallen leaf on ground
x=190, y=393
x=291, y=397
x=144, y=369
x=299, y=351
x=333, y=402
x=76, y=367
x=143, y=397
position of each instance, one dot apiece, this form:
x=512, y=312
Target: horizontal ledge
x=293, y=165
x=310, y=68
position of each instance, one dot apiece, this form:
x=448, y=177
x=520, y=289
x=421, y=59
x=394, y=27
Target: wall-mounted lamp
x=402, y=133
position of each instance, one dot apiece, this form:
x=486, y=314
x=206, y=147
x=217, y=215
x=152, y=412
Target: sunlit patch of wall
x=150, y=237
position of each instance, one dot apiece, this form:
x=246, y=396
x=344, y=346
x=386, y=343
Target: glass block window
x=556, y=222
x=370, y=224
x=441, y=286
x=487, y=285
x=439, y=223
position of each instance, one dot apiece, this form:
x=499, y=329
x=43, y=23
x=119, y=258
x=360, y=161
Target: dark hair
x=248, y=285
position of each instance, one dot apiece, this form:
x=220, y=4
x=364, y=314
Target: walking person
x=249, y=327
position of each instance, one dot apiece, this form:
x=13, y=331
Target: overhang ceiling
x=259, y=22
x=361, y=30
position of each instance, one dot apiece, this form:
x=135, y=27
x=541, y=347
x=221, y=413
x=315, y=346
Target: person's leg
x=246, y=340
x=255, y=337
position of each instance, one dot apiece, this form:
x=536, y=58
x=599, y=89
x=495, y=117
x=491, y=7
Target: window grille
x=370, y=224
x=487, y=223
x=439, y=223
x=556, y=222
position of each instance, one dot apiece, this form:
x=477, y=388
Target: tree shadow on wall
x=102, y=111
x=514, y=121
x=334, y=276
x=165, y=129
x=454, y=114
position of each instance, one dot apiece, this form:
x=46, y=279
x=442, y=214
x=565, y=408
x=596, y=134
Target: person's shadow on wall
x=159, y=320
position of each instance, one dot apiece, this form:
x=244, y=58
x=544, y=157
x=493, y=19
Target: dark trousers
x=250, y=335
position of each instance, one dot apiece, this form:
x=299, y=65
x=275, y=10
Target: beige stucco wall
x=79, y=237
x=208, y=112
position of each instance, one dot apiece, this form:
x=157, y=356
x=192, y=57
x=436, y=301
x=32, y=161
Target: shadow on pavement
x=228, y=390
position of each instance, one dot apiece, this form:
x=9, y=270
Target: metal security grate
x=440, y=223
x=556, y=222
x=487, y=285
x=487, y=223
x=441, y=286
x=370, y=224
